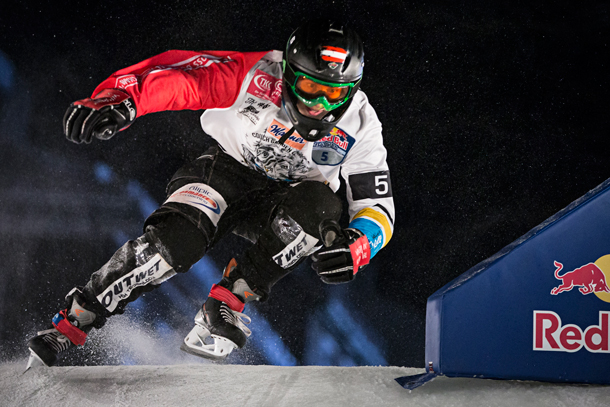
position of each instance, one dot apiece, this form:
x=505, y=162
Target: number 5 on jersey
x=371, y=185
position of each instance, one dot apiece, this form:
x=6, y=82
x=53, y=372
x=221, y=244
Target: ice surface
x=240, y=385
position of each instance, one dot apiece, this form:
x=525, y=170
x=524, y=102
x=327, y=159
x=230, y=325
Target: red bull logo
x=589, y=278
x=338, y=137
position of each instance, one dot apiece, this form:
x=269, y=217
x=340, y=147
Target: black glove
x=112, y=110
x=346, y=252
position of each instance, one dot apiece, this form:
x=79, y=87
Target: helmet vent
x=345, y=65
x=332, y=29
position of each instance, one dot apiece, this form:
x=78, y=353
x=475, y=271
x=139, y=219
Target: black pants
x=207, y=199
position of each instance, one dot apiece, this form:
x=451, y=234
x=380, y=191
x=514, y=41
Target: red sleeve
x=179, y=80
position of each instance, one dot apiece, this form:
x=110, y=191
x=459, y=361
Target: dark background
x=495, y=117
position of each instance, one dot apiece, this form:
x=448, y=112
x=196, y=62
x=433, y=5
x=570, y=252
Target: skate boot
x=220, y=325
x=70, y=327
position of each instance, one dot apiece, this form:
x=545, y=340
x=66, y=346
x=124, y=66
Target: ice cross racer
x=285, y=126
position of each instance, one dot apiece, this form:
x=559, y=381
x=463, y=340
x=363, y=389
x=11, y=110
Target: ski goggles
x=313, y=91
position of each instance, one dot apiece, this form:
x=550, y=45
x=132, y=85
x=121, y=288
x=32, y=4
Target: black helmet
x=323, y=64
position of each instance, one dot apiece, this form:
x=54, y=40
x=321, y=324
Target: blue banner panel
x=537, y=310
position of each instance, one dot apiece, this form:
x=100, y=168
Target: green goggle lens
x=313, y=92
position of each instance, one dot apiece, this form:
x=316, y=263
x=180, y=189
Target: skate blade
x=194, y=343
x=202, y=354
x=33, y=361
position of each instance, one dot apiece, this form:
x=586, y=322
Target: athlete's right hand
x=346, y=252
x=111, y=111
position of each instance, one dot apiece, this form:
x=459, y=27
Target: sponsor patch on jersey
x=251, y=113
x=202, y=197
x=302, y=246
x=253, y=108
x=277, y=130
x=122, y=82
x=195, y=62
x=332, y=149
x=265, y=86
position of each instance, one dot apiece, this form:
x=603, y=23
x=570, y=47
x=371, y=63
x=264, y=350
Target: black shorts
x=219, y=195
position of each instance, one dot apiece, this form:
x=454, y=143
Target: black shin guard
x=166, y=248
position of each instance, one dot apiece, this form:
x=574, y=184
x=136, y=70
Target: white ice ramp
x=237, y=385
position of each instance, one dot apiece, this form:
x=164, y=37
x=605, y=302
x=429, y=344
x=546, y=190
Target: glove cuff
x=106, y=97
x=359, y=248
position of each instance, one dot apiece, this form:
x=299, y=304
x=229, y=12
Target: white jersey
x=242, y=95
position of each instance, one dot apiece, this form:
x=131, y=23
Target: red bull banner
x=537, y=310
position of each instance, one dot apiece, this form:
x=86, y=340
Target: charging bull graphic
x=590, y=278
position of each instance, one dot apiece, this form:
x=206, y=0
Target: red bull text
x=551, y=335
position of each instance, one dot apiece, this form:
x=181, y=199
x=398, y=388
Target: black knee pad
x=309, y=203
x=178, y=240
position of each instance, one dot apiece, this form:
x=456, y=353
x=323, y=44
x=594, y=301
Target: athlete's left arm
x=371, y=207
x=369, y=189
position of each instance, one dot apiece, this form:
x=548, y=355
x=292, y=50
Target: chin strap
x=286, y=135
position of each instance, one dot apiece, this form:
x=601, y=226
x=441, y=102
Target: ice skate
x=70, y=327
x=217, y=332
x=220, y=325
